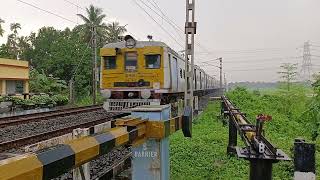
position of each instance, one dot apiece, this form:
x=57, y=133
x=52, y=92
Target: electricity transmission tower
x=306, y=68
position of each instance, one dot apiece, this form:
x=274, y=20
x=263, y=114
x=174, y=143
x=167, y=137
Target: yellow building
x=14, y=77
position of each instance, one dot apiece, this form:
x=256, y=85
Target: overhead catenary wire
x=77, y=5
x=168, y=33
x=255, y=60
x=255, y=69
x=166, y=18
x=170, y=22
x=57, y=15
x=80, y=61
x=47, y=11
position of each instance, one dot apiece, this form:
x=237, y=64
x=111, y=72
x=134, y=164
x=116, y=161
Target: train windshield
x=131, y=61
x=110, y=62
x=153, y=61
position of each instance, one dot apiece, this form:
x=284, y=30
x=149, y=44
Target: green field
x=204, y=155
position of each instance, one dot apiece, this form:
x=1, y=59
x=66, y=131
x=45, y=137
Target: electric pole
x=71, y=91
x=94, y=64
x=306, y=69
x=190, y=31
x=221, y=84
x=225, y=83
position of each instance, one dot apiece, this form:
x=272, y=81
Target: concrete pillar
x=151, y=159
x=0, y=87
x=3, y=87
x=26, y=89
x=26, y=86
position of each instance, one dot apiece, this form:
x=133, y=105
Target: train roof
x=139, y=44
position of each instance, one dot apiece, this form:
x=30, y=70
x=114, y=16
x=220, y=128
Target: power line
x=80, y=61
x=166, y=19
x=49, y=12
x=77, y=5
x=262, y=50
x=256, y=60
x=157, y=23
x=260, y=69
x=171, y=22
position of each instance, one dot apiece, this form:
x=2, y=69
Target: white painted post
x=77, y=174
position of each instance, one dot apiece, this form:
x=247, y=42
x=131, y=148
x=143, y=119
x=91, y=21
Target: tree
x=114, y=31
x=95, y=19
x=12, y=41
x=288, y=73
x=40, y=83
x=60, y=53
x=1, y=29
x=14, y=27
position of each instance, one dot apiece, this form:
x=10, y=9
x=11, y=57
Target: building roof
x=11, y=69
x=14, y=62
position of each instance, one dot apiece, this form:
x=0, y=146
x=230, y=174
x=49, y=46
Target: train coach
x=135, y=73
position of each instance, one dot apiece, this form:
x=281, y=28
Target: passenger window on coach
x=153, y=61
x=131, y=61
x=110, y=62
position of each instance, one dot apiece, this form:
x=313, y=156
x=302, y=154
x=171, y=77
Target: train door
x=174, y=73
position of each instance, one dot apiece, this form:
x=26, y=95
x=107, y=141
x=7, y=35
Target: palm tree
x=12, y=41
x=114, y=31
x=1, y=29
x=14, y=27
x=94, y=18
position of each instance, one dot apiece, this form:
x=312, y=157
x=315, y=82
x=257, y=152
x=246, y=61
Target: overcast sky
x=253, y=37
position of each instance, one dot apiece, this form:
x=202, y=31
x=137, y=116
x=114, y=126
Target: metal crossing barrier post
x=259, y=151
x=147, y=131
x=150, y=160
x=231, y=149
x=304, y=160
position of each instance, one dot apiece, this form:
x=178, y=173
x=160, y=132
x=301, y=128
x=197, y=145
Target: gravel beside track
x=99, y=166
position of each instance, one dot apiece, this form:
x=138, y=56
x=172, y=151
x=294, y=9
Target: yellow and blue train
x=145, y=73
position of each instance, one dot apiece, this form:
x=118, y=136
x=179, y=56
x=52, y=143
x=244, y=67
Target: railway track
x=21, y=119
x=4, y=146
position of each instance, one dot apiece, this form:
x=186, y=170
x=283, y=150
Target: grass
x=204, y=155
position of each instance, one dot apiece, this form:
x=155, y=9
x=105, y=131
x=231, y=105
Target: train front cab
x=131, y=76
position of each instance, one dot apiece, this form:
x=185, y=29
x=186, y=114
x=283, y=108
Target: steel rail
x=21, y=119
x=51, y=134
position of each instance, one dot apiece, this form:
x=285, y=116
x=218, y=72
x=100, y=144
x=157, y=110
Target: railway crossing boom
x=146, y=130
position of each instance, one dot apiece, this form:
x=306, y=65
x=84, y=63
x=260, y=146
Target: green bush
x=43, y=100
x=60, y=99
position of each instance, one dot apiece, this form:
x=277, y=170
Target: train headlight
x=130, y=94
x=156, y=85
x=145, y=94
x=106, y=93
